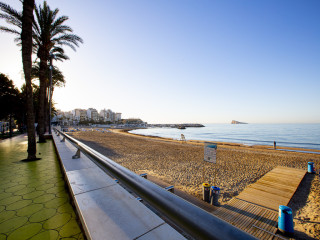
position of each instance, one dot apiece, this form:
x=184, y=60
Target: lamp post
x=50, y=91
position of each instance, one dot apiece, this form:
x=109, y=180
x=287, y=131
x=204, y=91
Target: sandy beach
x=181, y=164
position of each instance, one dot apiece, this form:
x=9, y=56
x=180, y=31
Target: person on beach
x=274, y=145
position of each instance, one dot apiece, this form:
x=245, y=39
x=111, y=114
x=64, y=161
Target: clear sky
x=175, y=61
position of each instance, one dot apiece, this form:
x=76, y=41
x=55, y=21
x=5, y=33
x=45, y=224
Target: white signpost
x=210, y=155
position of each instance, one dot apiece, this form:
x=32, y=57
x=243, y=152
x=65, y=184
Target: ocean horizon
x=285, y=135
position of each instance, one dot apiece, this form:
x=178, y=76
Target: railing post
x=144, y=175
x=170, y=189
x=63, y=139
x=77, y=155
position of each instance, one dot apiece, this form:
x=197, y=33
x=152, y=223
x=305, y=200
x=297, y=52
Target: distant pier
x=180, y=126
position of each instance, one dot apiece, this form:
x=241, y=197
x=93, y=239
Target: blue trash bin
x=285, y=220
x=311, y=167
x=214, y=196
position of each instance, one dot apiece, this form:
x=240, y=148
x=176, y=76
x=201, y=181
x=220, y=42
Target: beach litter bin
x=311, y=167
x=285, y=220
x=214, y=196
x=206, y=192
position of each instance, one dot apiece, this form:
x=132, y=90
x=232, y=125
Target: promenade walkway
x=255, y=210
x=34, y=203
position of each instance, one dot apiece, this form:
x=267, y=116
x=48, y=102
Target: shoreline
x=223, y=144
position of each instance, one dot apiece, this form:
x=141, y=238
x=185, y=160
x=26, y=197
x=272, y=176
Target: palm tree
x=58, y=80
x=26, y=40
x=49, y=36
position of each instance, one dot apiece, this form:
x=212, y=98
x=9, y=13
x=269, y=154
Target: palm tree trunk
x=42, y=99
x=26, y=37
x=10, y=125
x=46, y=107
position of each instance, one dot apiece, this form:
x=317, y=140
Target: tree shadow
x=30, y=160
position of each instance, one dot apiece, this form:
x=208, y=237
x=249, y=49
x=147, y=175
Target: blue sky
x=189, y=61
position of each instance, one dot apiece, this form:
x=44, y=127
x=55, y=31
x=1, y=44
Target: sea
x=285, y=135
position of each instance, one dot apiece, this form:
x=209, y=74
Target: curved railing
x=190, y=218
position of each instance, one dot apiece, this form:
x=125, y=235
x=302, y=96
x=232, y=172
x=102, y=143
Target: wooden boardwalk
x=255, y=210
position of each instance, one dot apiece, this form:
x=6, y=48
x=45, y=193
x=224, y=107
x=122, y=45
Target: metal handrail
x=192, y=219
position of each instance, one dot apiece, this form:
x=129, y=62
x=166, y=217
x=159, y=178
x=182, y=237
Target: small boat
x=181, y=127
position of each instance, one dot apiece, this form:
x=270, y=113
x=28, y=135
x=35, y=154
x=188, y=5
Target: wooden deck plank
x=279, y=186
x=258, y=204
x=262, y=224
x=283, y=172
x=248, y=221
x=265, y=201
x=268, y=226
x=247, y=217
x=279, y=192
x=257, y=194
x=243, y=212
x=233, y=211
x=284, y=181
x=271, y=227
x=255, y=231
x=284, y=177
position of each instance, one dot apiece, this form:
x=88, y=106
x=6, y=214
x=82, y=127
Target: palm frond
x=71, y=38
x=61, y=57
x=10, y=11
x=11, y=20
x=9, y=30
x=59, y=21
x=60, y=30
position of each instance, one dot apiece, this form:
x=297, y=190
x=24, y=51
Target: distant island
x=236, y=122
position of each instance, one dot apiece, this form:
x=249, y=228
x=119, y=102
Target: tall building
x=92, y=114
x=118, y=117
x=107, y=115
x=80, y=114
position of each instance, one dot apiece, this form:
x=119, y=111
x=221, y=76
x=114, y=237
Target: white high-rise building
x=80, y=114
x=107, y=115
x=117, y=117
x=92, y=114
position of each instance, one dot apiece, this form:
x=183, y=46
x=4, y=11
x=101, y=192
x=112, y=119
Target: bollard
x=311, y=167
x=206, y=192
x=285, y=220
x=214, y=196
x=77, y=155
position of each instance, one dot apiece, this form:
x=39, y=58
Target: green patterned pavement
x=34, y=203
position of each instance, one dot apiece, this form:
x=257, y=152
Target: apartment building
x=92, y=114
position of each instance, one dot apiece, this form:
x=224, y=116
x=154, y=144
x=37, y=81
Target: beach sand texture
x=181, y=165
